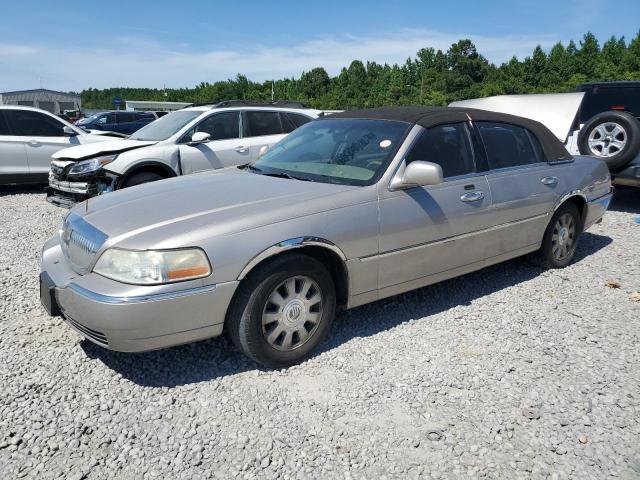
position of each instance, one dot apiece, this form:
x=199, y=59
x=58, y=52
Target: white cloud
x=141, y=62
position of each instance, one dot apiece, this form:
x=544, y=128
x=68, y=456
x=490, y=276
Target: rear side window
x=263, y=123
x=507, y=145
x=34, y=124
x=446, y=145
x=291, y=121
x=4, y=126
x=126, y=117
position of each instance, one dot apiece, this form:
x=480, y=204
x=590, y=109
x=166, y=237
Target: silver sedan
x=344, y=211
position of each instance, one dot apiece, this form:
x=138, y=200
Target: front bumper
x=131, y=318
x=64, y=191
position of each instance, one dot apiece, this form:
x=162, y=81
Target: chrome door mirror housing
x=68, y=131
x=417, y=174
x=199, y=137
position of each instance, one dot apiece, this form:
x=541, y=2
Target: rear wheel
x=140, y=178
x=283, y=310
x=560, y=239
x=612, y=136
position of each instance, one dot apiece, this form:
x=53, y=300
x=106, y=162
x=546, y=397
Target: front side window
x=34, y=124
x=344, y=151
x=507, y=145
x=446, y=145
x=263, y=123
x=220, y=126
x=166, y=126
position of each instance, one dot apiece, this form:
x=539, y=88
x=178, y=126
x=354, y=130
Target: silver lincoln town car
x=344, y=211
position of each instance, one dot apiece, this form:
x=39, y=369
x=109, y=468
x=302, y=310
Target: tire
x=254, y=319
x=614, y=137
x=140, y=178
x=557, y=241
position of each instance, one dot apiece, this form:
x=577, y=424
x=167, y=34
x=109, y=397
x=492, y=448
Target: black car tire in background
x=604, y=121
x=140, y=178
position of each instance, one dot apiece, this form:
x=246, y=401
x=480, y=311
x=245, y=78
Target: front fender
x=160, y=155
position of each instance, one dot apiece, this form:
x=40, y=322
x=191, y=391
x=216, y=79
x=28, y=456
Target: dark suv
x=119, y=121
x=610, y=119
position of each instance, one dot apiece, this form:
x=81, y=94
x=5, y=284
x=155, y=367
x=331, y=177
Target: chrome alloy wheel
x=563, y=237
x=292, y=313
x=607, y=139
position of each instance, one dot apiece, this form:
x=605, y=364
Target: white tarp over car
x=557, y=111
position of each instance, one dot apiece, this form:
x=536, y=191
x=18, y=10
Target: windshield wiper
x=285, y=175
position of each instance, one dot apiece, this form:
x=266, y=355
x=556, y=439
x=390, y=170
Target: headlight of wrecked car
x=91, y=165
x=153, y=267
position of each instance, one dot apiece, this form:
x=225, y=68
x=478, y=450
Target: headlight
x=153, y=267
x=91, y=165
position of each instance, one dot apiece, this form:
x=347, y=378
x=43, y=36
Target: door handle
x=33, y=143
x=472, y=196
x=549, y=180
x=241, y=149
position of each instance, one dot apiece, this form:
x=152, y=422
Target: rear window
x=507, y=145
x=263, y=123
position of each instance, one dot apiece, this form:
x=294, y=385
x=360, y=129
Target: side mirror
x=263, y=149
x=199, y=137
x=68, y=131
x=417, y=174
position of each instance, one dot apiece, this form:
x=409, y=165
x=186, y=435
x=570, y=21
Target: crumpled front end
x=67, y=188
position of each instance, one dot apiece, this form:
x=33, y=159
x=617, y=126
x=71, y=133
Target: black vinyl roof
x=431, y=116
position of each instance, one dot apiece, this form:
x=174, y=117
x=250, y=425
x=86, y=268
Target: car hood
x=162, y=214
x=89, y=150
x=556, y=111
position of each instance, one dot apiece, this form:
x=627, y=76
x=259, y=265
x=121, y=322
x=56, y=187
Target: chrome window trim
x=154, y=297
x=290, y=244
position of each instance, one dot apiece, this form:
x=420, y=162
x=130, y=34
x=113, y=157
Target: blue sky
x=74, y=45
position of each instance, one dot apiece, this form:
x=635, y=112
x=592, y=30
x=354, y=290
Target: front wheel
x=560, y=239
x=283, y=310
x=140, y=178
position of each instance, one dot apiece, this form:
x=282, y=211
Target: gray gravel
x=511, y=372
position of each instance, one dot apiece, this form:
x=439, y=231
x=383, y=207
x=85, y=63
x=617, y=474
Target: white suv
x=190, y=140
x=29, y=137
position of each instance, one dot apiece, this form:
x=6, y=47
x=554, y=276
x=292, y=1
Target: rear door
x=262, y=129
x=224, y=149
x=524, y=186
x=13, y=154
x=42, y=136
x=426, y=231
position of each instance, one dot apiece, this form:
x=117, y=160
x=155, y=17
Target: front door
x=427, y=231
x=225, y=148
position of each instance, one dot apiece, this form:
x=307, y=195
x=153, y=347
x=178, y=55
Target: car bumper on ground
x=630, y=176
x=147, y=318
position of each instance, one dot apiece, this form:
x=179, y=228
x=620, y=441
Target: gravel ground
x=511, y=372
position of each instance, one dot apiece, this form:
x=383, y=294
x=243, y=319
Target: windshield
x=346, y=151
x=166, y=126
x=91, y=119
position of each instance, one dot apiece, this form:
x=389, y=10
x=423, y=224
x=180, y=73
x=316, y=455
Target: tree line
x=432, y=77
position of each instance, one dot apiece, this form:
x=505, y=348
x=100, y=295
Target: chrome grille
x=80, y=242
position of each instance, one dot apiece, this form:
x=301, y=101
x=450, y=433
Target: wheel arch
x=579, y=199
x=325, y=251
x=148, y=166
